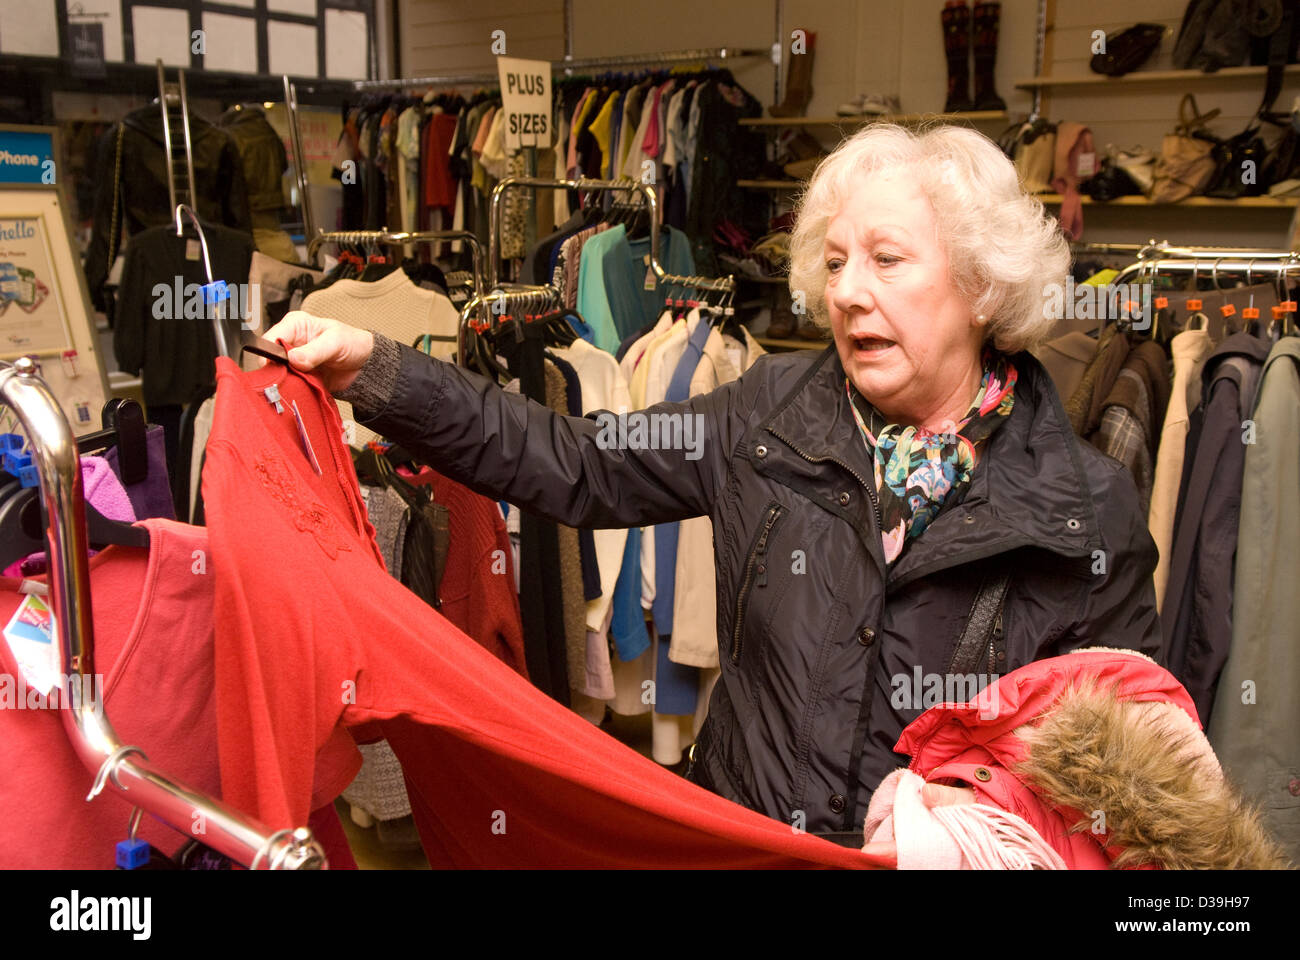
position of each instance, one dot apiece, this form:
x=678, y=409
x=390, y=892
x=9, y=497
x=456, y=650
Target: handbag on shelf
x=1110, y=183
x=1128, y=50
x=1187, y=164
x=1140, y=165
x=1032, y=148
x=1239, y=166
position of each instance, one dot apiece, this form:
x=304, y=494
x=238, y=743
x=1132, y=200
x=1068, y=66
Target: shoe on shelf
x=808, y=330
x=879, y=105
x=802, y=169
x=781, y=327
x=869, y=105
x=955, y=19
x=851, y=108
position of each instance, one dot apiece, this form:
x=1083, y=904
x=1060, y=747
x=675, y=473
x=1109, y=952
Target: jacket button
x=760, y=451
x=762, y=568
x=983, y=775
x=837, y=804
x=1073, y=524
x=865, y=636
x=844, y=499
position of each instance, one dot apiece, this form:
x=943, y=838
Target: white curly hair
x=1003, y=248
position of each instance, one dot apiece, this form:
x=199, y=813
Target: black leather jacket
x=220, y=195
x=813, y=634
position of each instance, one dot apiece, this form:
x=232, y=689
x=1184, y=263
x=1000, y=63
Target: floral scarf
x=916, y=470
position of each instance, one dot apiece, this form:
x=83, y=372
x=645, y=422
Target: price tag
x=192, y=250
x=30, y=634
x=1228, y=310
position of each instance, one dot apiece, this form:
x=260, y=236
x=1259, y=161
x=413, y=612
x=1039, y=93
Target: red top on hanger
x=313, y=635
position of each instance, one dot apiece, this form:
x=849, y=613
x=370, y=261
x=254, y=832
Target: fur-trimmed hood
x=1100, y=751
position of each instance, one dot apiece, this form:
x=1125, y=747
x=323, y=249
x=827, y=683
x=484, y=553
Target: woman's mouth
x=869, y=343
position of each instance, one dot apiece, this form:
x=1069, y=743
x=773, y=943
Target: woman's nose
x=853, y=290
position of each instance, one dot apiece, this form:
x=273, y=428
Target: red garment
x=478, y=585
x=154, y=648
x=439, y=184
x=949, y=743
x=314, y=634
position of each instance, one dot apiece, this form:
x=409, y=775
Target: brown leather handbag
x=1187, y=160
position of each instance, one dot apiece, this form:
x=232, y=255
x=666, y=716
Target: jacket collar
x=1029, y=488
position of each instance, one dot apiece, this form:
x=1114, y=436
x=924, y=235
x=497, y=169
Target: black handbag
x=1239, y=164
x=1110, y=182
x=1128, y=50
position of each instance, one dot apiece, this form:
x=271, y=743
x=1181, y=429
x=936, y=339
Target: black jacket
x=162, y=332
x=815, y=641
x=1196, y=616
x=220, y=195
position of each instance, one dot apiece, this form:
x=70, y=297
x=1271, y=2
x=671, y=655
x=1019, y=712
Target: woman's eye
x=885, y=259
x=833, y=266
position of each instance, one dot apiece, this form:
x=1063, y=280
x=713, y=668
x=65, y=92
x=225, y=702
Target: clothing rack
x=299, y=158
x=166, y=97
x=399, y=239
x=568, y=66
x=124, y=767
x=726, y=284
x=1274, y=263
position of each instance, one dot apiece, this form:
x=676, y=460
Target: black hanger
x=22, y=528
x=124, y=429
x=252, y=343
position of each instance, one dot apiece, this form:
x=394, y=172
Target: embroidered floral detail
x=307, y=515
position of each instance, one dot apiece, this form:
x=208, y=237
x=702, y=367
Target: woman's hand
x=932, y=795
x=335, y=351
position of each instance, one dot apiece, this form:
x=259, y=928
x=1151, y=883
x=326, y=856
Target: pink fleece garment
x=103, y=491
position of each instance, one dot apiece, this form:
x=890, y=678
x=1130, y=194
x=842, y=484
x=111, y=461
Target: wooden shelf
x=858, y=120
x=1149, y=76
x=1137, y=200
x=772, y=184
x=793, y=344
x=741, y=275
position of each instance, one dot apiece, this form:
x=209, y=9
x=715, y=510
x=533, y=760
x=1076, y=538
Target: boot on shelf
x=798, y=82
x=985, y=47
x=956, y=49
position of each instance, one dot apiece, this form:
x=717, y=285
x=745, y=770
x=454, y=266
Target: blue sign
x=26, y=157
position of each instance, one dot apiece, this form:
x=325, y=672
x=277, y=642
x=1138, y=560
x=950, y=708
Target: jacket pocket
x=755, y=573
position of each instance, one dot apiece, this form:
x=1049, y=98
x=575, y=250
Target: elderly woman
x=892, y=516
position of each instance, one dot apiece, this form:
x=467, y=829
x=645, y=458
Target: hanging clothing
x=133, y=172
x=264, y=162
x=1256, y=715
x=695, y=595
x=1131, y=413
x=1189, y=349
x=168, y=340
x=394, y=306
x=478, y=746
x=1197, y=616
x=612, y=281
x=154, y=648
x=152, y=496
x=477, y=588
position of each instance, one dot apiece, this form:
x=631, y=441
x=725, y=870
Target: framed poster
x=44, y=305
x=33, y=318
